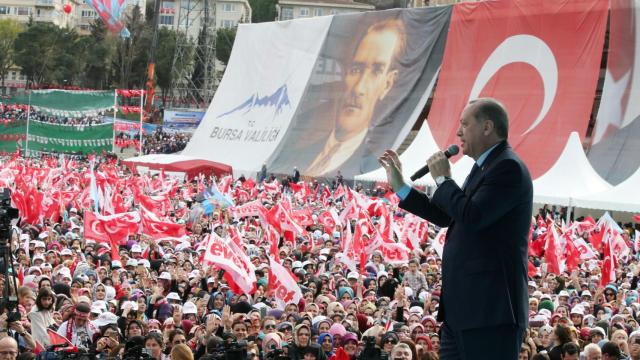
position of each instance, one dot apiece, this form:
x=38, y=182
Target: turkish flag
x=551, y=252
x=112, y=228
x=157, y=229
x=541, y=59
x=636, y=218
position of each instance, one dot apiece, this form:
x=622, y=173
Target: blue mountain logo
x=279, y=99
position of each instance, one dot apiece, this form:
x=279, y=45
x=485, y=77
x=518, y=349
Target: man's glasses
x=270, y=326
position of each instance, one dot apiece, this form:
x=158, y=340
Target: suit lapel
x=479, y=175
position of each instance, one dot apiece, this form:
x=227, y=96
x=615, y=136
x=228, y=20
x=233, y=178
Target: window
x=287, y=13
x=334, y=11
x=228, y=7
x=317, y=12
x=304, y=12
x=228, y=23
x=166, y=19
x=4, y=10
x=23, y=11
x=88, y=14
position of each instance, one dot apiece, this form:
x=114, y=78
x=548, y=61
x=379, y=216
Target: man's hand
x=391, y=164
x=439, y=165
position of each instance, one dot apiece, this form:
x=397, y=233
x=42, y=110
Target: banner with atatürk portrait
x=372, y=78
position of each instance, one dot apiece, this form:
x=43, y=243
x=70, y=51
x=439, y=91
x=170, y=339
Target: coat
x=484, y=265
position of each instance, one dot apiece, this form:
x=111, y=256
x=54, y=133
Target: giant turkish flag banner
x=541, y=59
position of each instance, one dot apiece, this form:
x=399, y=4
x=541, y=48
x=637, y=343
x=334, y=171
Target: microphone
x=451, y=151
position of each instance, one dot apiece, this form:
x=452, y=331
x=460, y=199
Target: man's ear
x=390, y=81
x=488, y=127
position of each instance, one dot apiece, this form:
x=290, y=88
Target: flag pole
x=115, y=111
x=26, y=146
x=141, y=116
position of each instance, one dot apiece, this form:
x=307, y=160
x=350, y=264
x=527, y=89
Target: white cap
x=96, y=309
x=38, y=257
x=165, y=276
x=131, y=305
x=577, y=310
x=132, y=262
x=73, y=210
x=532, y=284
x=586, y=293
x=189, y=308
x=66, y=251
x=173, y=296
x=136, y=248
x=116, y=264
x=106, y=318
x=296, y=264
x=40, y=244
x=563, y=293
x=353, y=275
x=194, y=274
x=144, y=262
x=24, y=237
x=415, y=310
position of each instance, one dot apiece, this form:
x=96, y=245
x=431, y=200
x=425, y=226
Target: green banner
x=12, y=135
x=81, y=139
x=66, y=102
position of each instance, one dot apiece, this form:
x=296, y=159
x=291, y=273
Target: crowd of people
x=20, y=112
x=156, y=296
x=161, y=142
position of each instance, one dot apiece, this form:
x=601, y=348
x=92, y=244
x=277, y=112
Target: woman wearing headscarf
x=271, y=342
x=325, y=340
x=301, y=343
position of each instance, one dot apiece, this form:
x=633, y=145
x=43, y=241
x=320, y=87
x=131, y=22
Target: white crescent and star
x=526, y=49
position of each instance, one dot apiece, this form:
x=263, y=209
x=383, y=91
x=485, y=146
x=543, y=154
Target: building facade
x=295, y=9
x=187, y=15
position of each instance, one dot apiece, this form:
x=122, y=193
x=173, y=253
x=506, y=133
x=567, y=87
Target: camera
x=9, y=300
x=275, y=354
x=231, y=350
x=371, y=350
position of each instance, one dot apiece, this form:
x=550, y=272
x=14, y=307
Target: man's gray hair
x=400, y=346
x=492, y=110
x=591, y=348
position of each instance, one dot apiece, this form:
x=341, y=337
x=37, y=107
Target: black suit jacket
x=484, y=265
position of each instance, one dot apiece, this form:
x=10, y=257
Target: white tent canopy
x=624, y=197
x=414, y=157
x=571, y=177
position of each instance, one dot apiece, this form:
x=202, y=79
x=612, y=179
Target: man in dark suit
x=484, y=301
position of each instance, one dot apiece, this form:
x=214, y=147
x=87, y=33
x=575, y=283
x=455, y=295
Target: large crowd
x=162, y=142
x=157, y=295
x=20, y=112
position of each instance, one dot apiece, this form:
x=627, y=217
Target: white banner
x=267, y=74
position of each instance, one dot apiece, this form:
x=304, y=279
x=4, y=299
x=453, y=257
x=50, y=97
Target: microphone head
x=453, y=150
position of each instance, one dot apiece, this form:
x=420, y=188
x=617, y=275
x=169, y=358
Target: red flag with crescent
x=540, y=59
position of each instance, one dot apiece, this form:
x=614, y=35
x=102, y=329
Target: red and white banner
x=253, y=208
x=438, y=241
x=218, y=253
x=284, y=284
x=540, y=59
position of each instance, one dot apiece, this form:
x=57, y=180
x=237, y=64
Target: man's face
x=368, y=80
x=471, y=133
x=8, y=349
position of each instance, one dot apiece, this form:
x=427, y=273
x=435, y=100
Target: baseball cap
x=106, y=318
x=132, y=262
x=165, y=276
x=189, y=308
